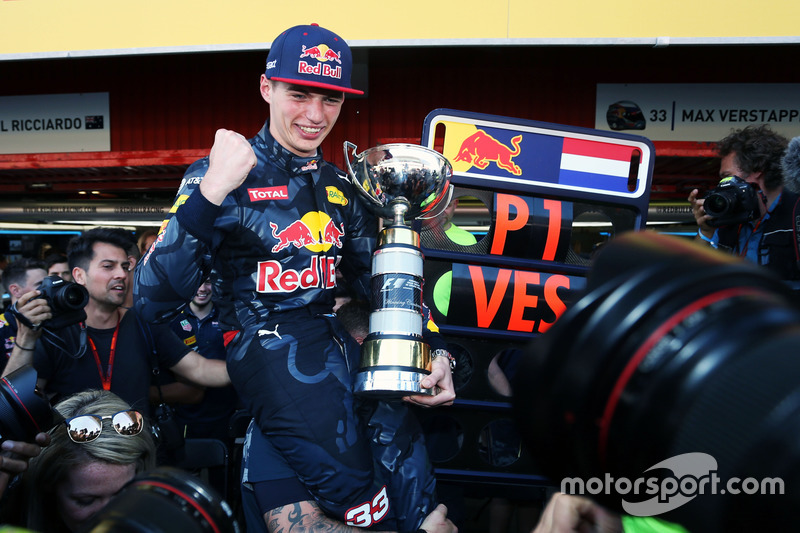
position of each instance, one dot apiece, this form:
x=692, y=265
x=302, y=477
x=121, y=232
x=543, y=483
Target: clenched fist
x=230, y=161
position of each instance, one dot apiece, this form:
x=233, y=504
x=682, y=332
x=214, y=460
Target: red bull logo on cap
x=480, y=149
x=315, y=231
x=323, y=54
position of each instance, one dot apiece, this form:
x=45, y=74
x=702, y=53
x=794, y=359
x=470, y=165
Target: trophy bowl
x=401, y=182
x=407, y=177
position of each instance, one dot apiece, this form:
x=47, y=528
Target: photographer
x=754, y=154
x=87, y=462
x=22, y=279
x=110, y=349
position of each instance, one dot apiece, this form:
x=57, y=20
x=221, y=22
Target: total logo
x=315, y=231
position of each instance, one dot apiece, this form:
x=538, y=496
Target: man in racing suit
x=270, y=221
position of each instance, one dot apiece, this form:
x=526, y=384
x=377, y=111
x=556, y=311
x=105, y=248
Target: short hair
x=354, y=316
x=55, y=462
x=757, y=149
x=80, y=250
x=132, y=248
x=17, y=271
x=143, y=239
x=54, y=259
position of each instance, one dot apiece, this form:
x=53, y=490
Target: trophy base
x=390, y=384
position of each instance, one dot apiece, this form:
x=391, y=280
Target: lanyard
x=106, y=380
x=743, y=253
x=770, y=209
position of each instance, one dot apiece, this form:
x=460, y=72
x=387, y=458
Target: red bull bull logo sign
x=315, y=231
x=325, y=57
x=480, y=149
x=540, y=156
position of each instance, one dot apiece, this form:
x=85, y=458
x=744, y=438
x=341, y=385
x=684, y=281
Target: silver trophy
x=400, y=182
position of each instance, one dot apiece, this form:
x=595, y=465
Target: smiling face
x=300, y=117
x=203, y=295
x=106, y=277
x=88, y=488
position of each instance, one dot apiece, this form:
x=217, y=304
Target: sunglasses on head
x=86, y=428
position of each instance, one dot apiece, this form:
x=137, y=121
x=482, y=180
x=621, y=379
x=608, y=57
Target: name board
x=55, y=123
x=543, y=198
x=704, y=112
x=508, y=299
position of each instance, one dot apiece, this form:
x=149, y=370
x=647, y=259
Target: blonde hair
x=54, y=464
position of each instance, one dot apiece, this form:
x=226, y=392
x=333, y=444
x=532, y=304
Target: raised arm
x=168, y=276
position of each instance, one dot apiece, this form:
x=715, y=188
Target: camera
x=162, y=501
x=167, y=431
x=733, y=201
x=66, y=300
x=671, y=388
x=24, y=411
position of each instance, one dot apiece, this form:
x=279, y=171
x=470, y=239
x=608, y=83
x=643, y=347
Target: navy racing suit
x=272, y=250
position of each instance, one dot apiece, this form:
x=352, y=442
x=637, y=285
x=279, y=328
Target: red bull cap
x=311, y=56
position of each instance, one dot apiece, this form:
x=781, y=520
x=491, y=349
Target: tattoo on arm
x=302, y=517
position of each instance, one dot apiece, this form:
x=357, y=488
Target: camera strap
x=20, y=317
x=152, y=356
x=49, y=336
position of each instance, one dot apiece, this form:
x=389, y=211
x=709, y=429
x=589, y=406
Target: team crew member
x=208, y=412
x=22, y=279
x=274, y=221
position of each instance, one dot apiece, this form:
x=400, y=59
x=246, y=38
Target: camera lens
x=162, y=501
x=717, y=205
x=73, y=297
x=675, y=349
x=24, y=411
x=70, y=296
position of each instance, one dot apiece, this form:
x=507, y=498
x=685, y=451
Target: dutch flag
x=595, y=165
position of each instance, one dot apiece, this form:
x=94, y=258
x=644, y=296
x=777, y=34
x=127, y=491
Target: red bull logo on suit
x=315, y=231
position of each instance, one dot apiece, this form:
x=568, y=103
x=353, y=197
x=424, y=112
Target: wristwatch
x=444, y=353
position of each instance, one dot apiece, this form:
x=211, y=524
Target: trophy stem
x=399, y=210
